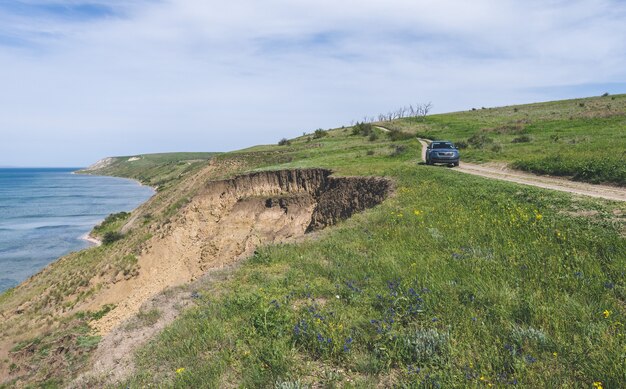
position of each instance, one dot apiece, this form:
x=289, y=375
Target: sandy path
x=547, y=182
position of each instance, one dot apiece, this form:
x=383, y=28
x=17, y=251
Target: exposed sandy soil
x=227, y=221
x=501, y=172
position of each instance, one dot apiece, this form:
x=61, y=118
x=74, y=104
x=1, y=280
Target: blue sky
x=82, y=80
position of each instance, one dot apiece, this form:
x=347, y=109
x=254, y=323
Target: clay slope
x=228, y=219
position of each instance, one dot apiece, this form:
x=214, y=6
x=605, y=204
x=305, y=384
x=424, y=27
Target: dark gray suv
x=442, y=151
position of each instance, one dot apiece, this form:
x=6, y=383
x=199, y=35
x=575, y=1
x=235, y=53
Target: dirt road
x=554, y=183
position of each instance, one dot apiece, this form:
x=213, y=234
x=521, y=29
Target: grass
x=581, y=138
x=457, y=281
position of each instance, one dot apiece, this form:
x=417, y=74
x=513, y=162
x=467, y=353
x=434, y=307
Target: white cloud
x=191, y=75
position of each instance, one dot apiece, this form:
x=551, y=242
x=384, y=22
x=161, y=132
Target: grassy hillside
x=455, y=281
x=583, y=138
x=154, y=170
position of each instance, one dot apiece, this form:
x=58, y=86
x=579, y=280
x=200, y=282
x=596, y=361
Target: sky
x=81, y=80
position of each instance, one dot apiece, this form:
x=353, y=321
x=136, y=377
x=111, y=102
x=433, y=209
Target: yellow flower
x=417, y=212
x=597, y=385
x=180, y=371
x=555, y=354
x=538, y=216
x=606, y=313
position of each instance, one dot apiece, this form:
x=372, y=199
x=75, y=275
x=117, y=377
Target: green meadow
x=582, y=138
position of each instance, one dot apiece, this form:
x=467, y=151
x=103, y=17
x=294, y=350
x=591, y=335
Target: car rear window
x=442, y=145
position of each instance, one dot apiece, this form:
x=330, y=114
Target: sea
x=47, y=213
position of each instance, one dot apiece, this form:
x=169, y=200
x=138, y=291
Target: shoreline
x=95, y=241
x=87, y=172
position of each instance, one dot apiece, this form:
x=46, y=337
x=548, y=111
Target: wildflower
x=606, y=313
x=555, y=354
x=597, y=385
x=180, y=371
x=417, y=212
x=538, y=216
x=337, y=296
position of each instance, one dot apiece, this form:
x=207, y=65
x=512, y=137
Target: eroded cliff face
x=228, y=219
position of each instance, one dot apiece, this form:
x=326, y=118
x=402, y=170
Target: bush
x=398, y=150
x=284, y=142
x=319, y=133
x=522, y=139
x=373, y=136
x=111, y=236
x=396, y=135
x=364, y=129
x=496, y=147
x=461, y=145
x=479, y=140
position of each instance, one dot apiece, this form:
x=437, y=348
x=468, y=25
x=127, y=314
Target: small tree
x=284, y=142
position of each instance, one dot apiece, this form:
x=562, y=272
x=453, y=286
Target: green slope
x=583, y=138
x=152, y=169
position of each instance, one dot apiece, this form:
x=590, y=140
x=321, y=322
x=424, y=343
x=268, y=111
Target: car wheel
x=456, y=164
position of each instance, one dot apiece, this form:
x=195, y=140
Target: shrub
x=496, y=147
x=109, y=220
x=422, y=346
x=605, y=94
x=111, y=236
x=319, y=133
x=364, y=129
x=398, y=149
x=373, y=136
x=461, y=144
x=396, y=135
x=522, y=139
x=284, y=142
x=479, y=140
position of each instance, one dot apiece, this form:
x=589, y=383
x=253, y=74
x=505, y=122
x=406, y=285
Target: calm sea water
x=45, y=212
